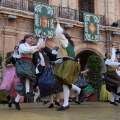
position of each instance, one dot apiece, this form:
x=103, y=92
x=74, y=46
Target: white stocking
x=17, y=99
x=66, y=93
x=113, y=97
x=74, y=87
x=27, y=85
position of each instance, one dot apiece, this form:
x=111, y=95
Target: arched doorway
x=84, y=55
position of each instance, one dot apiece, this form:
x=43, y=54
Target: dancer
x=81, y=83
x=47, y=83
x=104, y=94
x=67, y=72
x=25, y=69
x=7, y=91
x=118, y=73
x=111, y=78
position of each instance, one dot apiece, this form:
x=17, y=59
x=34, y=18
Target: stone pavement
x=85, y=111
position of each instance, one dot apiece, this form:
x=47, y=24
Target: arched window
x=86, y=5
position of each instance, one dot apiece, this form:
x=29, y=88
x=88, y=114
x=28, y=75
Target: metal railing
x=63, y=12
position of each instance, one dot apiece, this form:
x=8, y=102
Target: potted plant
x=94, y=77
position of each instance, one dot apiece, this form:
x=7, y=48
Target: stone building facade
x=12, y=30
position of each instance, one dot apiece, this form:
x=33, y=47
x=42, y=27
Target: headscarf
x=25, y=37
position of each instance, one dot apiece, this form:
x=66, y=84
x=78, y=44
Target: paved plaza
x=85, y=111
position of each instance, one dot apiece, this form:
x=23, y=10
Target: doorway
x=84, y=55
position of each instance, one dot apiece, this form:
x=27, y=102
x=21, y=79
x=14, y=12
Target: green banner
x=44, y=21
x=91, y=27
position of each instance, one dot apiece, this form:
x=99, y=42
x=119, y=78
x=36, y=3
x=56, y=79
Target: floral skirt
x=47, y=84
x=81, y=82
x=25, y=69
x=66, y=73
x=8, y=84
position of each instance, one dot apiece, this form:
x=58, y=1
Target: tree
x=94, y=77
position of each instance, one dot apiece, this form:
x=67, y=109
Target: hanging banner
x=91, y=27
x=44, y=21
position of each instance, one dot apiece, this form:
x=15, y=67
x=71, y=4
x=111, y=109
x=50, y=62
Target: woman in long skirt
x=47, y=84
x=7, y=87
x=67, y=72
x=112, y=79
x=25, y=69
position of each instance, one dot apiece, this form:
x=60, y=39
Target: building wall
x=12, y=31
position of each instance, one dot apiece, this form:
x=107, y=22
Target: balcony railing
x=63, y=12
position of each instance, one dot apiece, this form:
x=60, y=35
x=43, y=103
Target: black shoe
x=77, y=102
x=45, y=102
x=38, y=99
x=17, y=105
x=30, y=94
x=3, y=102
x=114, y=103
x=81, y=95
x=51, y=105
x=117, y=101
x=57, y=103
x=9, y=104
x=62, y=108
x=118, y=94
x=9, y=98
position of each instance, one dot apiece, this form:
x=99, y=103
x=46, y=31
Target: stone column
x=9, y=40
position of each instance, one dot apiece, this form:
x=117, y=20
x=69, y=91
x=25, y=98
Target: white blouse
x=111, y=63
x=42, y=62
x=25, y=48
x=58, y=29
x=61, y=37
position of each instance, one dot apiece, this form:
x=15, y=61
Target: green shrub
x=8, y=56
x=94, y=77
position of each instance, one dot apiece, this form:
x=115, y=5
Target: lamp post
x=118, y=55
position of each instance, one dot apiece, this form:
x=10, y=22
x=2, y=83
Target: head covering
x=25, y=37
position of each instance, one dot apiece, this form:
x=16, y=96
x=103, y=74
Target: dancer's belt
x=26, y=58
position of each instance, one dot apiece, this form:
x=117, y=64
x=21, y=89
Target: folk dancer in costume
x=39, y=63
x=67, y=72
x=111, y=77
x=25, y=69
x=118, y=73
x=104, y=93
x=81, y=83
x=38, y=59
x=7, y=91
x=47, y=83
